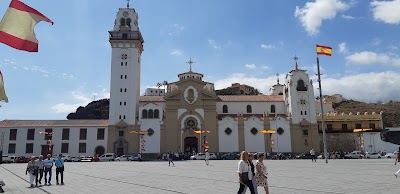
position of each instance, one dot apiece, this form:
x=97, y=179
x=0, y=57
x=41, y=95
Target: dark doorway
x=99, y=150
x=190, y=144
x=120, y=151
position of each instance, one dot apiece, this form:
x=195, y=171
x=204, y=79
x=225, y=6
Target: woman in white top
x=245, y=175
x=261, y=175
x=32, y=170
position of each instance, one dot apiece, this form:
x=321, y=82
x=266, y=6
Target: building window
x=120, y=103
x=125, y=89
x=228, y=131
x=13, y=134
x=49, y=134
x=82, y=147
x=83, y=134
x=305, y=142
x=150, y=114
x=128, y=22
x=280, y=131
x=329, y=127
x=124, y=103
x=301, y=86
x=144, y=114
x=301, y=112
x=272, y=108
x=120, y=117
x=126, y=63
x=305, y=131
x=100, y=133
x=224, y=109
x=254, y=131
x=122, y=21
x=344, y=127
x=29, y=148
x=358, y=126
x=156, y=114
x=31, y=134
x=64, y=148
x=150, y=132
x=65, y=134
x=120, y=90
x=121, y=133
x=126, y=76
x=11, y=148
x=124, y=117
x=122, y=76
x=305, y=112
x=248, y=108
x=372, y=126
x=122, y=63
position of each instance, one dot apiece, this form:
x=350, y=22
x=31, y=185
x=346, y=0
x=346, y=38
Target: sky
x=231, y=41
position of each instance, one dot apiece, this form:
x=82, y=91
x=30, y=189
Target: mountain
x=94, y=110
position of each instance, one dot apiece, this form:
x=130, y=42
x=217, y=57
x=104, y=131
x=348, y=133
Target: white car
x=8, y=159
x=107, y=157
x=124, y=158
x=67, y=158
x=374, y=156
x=75, y=159
x=391, y=155
x=86, y=158
x=202, y=156
x=354, y=154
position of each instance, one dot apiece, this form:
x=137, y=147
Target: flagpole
x=322, y=113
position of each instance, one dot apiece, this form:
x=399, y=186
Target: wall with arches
x=257, y=107
x=228, y=142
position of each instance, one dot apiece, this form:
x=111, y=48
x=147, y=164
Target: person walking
x=261, y=174
x=32, y=170
x=2, y=184
x=170, y=157
x=48, y=165
x=207, y=158
x=312, y=152
x=253, y=180
x=395, y=162
x=60, y=168
x=245, y=174
x=40, y=165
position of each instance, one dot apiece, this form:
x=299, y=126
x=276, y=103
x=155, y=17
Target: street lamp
x=50, y=144
x=361, y=137
x=198, y=131
x=270, y=132
x=142, y=140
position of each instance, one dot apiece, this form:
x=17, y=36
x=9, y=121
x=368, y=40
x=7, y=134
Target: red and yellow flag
x=324, y=50
x=3, y=96
x=17, y=26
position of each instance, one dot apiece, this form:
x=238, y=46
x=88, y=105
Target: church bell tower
x=127, y=46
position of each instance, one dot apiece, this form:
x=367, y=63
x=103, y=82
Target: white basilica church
x=188, y=117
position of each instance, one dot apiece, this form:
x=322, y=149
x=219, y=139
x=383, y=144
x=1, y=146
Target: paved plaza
x=290, y=176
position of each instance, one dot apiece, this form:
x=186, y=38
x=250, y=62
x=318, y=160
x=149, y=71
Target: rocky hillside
x=391, y=117
x=391, y=110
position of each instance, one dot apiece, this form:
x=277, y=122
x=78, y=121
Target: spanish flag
x=324, y=50
x=17, y=26
x=3, y=96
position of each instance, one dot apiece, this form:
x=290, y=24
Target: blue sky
x=230, y=40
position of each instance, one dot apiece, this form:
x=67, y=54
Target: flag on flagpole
x=3, y=96
x=324, y=50
x=17, y=26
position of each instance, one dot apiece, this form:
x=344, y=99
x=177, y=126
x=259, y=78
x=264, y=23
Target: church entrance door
x=191, y=144
x=120, y=151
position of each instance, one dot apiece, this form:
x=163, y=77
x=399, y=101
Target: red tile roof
x=251, y=98
x=151, y=99
x=53, y=123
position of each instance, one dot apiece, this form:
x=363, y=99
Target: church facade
x=191, y=117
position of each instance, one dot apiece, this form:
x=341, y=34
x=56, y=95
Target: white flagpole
x=322, y=113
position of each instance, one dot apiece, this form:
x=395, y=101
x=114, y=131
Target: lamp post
x=50, y=143
x=361, y=137
x=198, y=131
x=270, y=132
x=142, y=140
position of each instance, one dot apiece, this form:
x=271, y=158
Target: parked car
x=8, y=159
x=124, y=158
x=202, y=156
x=231, y=156
x=391, y=155
x=86, y=159
x=22, y=159
x=67, y=158
x=304, y=156
x=354, y=155
x=96, y=159
x=107, y=157
x=75, y=159
x=374, y=156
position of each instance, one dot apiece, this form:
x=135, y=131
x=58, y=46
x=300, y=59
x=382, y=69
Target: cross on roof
x=190, y=62
x=296, y=59
x=277, y=77
x=127, y=3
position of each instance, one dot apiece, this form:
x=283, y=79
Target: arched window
x=225, y=109
x=128, y=22
x=122, y=21
x=248, y=108
x=301, y=86
x=272, y=108
x=156, y=114
x=150, y=114
x=144, y=113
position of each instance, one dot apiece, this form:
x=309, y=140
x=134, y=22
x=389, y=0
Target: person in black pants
x=244, y=169
x=60, y=169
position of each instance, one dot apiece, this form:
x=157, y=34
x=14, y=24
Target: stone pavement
x=290, y=176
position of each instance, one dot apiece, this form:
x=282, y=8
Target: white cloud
x=376, y=41
x=343, y=48
x=314, y=13
x=214, y=44
x=250, y=66
x=79, y=99
x=369, y=58
x=175, y=29
x=264, y=67
x=176, y=52
x=386, y=11
x=348, y=17
x=267, y=46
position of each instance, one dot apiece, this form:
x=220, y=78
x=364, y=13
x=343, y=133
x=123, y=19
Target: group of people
x=37, y=167
x=252, y=176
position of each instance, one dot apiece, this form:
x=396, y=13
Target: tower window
x=120, y=90
x=150, y=114
x=120, y=103
x=301, y=112
x=126, y=76
x=305, y=112
x=305, y=131
x=122, y=63
x=272, y=108
x=124, y=36
x=156, y=114
x=124, y=103
x=121, y=76
x=120, y=116
x=124, y=117
x=144, y=114
x=125, y=89
x=122, y=21
x=128, y=22
x=248, y=108
x=225, y=109
x=126, y=63
x=301, y=86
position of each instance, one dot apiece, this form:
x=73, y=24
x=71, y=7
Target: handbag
x=245, y=177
